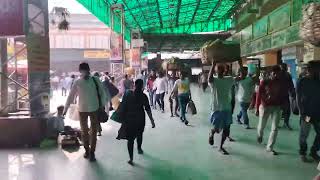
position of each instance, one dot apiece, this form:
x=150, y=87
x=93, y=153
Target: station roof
x=167, y=16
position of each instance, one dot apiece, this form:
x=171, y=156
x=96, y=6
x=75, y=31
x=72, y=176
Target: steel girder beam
x=214, y=9
x=195, y=11
x=134, y=18
x=159, y=14
x=178, y=12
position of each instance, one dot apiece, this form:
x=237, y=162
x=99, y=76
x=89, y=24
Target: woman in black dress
x=134, y=104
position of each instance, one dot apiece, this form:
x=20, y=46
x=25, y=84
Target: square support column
x=3, y=79
x=37, y=35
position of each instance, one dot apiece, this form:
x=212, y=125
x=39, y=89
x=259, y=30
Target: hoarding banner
x=97, y=54
x=11, y=17
x=116, y=47
x=135, y=57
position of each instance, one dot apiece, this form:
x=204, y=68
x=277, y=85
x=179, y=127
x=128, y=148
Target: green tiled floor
x=173, y=151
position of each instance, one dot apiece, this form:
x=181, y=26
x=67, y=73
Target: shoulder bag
x=101, y=113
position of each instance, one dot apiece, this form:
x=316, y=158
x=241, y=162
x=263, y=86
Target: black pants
x=176, y=105
x=160, y=100
x=131, y=144
x=286, y=112
x=204, y=86
x=305, y=128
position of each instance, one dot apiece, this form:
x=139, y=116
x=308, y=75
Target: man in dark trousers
x=287, y=80
x=308, y=99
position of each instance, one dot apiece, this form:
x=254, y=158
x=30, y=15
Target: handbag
x=101, y=113
x=116, y=117
x=113, y=90
x=191, y=108
x=73, y=113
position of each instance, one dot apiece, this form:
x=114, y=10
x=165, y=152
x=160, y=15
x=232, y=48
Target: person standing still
x=88, y=105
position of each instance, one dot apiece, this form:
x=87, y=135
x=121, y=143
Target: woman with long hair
x=184, y=95
x=134, y=104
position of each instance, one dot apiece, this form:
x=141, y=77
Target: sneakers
x=259, y=140
x=131, y=162
x=223, y=151
x=273, y=152
x=315, y=156
x=231, y=139
x=305, y=159
x=92, y=157
x=239, y=120
x=186, y=122
x=286, y=125
x=140, y=151
x=211, y=139
x=86, y=155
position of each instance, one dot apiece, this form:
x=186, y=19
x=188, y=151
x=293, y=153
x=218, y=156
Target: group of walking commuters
x=270, y=96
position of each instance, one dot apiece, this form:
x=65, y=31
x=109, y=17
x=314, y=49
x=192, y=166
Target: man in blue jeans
x=308, y=99
x=245, y=89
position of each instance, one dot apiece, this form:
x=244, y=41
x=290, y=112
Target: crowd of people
x=271, y=94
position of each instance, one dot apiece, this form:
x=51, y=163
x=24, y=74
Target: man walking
x=221, y=117
x=308, y=98
x=87, y=89
x=245, y=89
x=270, y=97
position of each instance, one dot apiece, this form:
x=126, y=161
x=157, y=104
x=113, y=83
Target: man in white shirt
x=88, y=105
x=160, y=86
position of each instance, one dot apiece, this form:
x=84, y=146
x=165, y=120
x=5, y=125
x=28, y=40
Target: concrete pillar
x=3, y=79
x=37, y=35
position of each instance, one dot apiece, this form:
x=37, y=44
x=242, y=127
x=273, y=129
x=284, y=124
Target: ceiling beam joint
x=178, y=12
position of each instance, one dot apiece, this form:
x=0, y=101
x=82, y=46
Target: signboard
x=144, y=61
x=97, y=54
x=280, y=18
x=11, y=17
x=260, y=28
x=135, y=57
x=276, y=40
x=297, y=9
x=116, y=47
x=38, y=54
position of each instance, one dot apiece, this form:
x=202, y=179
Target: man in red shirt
x=272, y=94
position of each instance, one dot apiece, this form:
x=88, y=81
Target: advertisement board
x=11, y=17
x=135, y=57
x=116, y=47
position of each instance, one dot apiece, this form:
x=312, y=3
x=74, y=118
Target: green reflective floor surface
x=173, y=151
